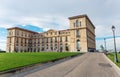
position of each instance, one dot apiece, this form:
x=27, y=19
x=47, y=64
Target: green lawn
x=15, y=60
x=111, y=57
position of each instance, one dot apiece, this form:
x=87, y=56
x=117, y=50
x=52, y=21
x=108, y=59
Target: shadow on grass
x=118, y=61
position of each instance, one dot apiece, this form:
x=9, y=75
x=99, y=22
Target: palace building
x=80, y=37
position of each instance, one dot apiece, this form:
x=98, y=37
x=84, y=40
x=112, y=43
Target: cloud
x=46, y=14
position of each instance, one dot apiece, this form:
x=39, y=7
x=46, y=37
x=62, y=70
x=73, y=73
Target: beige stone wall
x=20, y=41
x=90, y=34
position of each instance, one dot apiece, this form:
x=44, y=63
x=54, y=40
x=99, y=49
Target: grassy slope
x=13, y=60
x=111, y=56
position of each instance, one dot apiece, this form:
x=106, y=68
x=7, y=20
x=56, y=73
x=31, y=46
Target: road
x=87, y=65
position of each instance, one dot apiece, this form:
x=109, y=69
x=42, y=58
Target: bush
x=2, y=51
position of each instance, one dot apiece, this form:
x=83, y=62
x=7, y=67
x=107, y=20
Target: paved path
x=87, y=65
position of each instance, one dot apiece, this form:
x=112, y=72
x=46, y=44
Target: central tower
x=82, y=33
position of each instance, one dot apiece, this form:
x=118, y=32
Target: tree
x=102, y=48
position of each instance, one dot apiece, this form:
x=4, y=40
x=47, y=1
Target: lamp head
x=113, y=27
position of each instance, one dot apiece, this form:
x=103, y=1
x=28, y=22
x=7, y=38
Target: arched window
x=77, y=23
x=61, y=47
x=78, y=45
x=66, y=47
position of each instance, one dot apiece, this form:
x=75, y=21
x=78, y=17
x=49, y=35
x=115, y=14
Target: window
x=61, y=47
x=16, y=40
x=77, y=33
x=78, y=45
x=80, y=23
x=66, y=39
x=74, y=25
x=60, y=39
x=66, y=47
x=51, y=39
x=55, y=39
x=22, y=33
x=10, y=40
x=77, y=23
x=59, y=32
x=55, y=33
x=42, y=40
x=29, y=35
x=17, y=33
x=38, y=40
x=30, y=40
x=46, y=40
x=34, y=41
x=10, y=33
x=52, y=48
x=9, y=49
x=25, y=40
x=21, y=40
x=16, y=49
x=51, y=45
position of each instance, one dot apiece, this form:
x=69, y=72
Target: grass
x=15, y=60
x=111, y=57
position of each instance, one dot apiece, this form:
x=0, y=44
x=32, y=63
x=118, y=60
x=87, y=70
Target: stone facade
x=79, y=38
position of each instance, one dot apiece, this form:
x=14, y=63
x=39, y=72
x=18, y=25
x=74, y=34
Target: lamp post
x=105, y=49
x=105, y=43
x=115, y=54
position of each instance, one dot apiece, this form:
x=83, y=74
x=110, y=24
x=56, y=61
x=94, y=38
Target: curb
x=115, y=67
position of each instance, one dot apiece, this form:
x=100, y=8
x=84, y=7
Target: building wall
x=83, y=35
x=90, y=35
x=79, y=38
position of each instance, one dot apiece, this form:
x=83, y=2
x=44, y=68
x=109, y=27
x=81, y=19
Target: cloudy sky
x=41, y=15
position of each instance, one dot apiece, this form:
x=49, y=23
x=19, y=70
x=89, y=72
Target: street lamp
x=105, y=43
x=115, y=54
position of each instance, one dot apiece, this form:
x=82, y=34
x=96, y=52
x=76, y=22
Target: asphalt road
x=87, y=65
